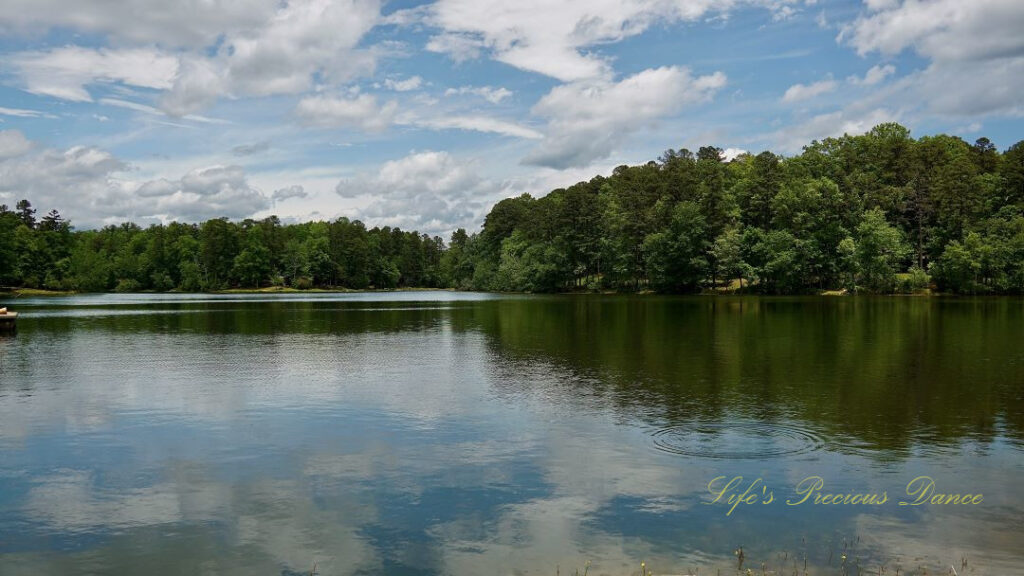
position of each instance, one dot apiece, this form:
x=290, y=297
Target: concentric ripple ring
x=737, y=440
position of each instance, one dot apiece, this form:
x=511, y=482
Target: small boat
x=8, y=320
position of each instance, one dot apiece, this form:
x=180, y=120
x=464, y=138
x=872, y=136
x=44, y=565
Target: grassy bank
x=19, y=292
x=288, y=290
x=732, y=289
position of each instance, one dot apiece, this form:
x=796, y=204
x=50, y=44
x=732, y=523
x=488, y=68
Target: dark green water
x=466, y=434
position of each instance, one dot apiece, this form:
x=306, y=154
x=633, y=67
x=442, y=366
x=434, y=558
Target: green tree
x=252, y=266
x=728, y=253
x=218, y=248
x=880, y=250
x=677, y=260
x=26, y=213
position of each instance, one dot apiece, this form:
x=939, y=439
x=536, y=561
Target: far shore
x=19, y=292
x=40, y=292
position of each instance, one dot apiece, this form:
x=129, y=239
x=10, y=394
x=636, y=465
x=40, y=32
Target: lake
x=466, y=434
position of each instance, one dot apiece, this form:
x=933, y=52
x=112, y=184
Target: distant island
x=879, y=212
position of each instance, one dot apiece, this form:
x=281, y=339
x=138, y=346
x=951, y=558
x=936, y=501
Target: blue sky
x=421, y=115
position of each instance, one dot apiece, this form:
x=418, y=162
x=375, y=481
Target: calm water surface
x=466, y=434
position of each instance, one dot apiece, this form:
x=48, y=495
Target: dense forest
x=879, y=212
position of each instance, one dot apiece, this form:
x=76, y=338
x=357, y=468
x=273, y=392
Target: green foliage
x=778, y=260
x=915, y=280
x=872, y=211
x=958, y=268
x=879, y=252
x=214, y=255
x=9, y=270
x=677, y=257
x=127, y=285
x=529, y=267
x=727, y=252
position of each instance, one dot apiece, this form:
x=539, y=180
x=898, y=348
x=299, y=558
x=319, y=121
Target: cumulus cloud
x=197, y=84
x=967, y=89
x=13, y=143
x=201, y=194
x=975, y=49
x=940, y=29
x=427, y=191
x=848, y=121
x=361, y=112
x=875, y=75
x=556, y=43
x=458, y=47
x=730, y=154
x=587, y=120
x=79, y=180
x=282, y=194
x=94, y=188
x=302, y=40
x=489, y=93
x=798, y=92
x=179, y=24
x=975, y=66
x=278, y=48
x=407, y=85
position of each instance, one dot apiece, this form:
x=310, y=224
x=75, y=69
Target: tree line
x=215, y=255
x=880, y=212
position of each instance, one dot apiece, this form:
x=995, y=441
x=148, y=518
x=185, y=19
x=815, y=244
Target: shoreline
x=43, y=293
x=33, y=292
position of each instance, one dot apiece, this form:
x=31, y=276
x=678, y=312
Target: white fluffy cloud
x=208, y=193
x=302, y=40
x=277, y=48
x=361, y=112
x=940, y=29
x=282, y=194
x=458, y=47
x=587, y=120
x=427, y=191
x=407, y=85
x=968, y=89
x=730, y=154
x=13, y=143
x=848, y=121
x=78, y=181
x=93, y=187
x=874, y=75
x=197, y=85
x=184, y=23
x=798, y=92
x=975, y=67
x=975, y=49
x=553, y=38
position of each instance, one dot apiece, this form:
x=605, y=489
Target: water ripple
x=737, y=440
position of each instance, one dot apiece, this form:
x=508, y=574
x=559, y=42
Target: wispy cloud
x=153, y=111
x=22, y=113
